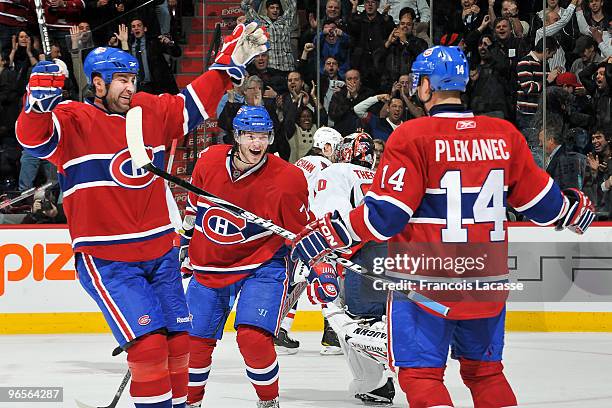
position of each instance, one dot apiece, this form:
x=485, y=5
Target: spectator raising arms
x=278, y=25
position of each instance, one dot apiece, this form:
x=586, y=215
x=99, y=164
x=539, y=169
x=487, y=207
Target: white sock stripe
x=196, y=383
x=265, y=370
x=266, y=382
x=199, y=370
x=179, y=400
x=153, y=399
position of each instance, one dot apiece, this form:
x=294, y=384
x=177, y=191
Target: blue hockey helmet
x=253, y=119
x=446, y=67
x=107, y=61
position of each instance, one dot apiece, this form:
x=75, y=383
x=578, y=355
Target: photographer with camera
x=45, y=209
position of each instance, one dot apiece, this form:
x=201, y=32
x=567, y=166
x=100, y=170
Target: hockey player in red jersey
x=230, y=255
x=118, y=216
x=444, y=182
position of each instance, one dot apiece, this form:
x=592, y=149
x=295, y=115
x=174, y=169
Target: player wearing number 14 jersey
x=443, y=184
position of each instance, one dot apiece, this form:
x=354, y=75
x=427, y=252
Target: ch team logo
x=222, y=227
x=127, y=175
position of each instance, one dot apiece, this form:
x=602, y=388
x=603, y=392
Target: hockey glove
x=239, y=48
x=319, y=238
x=580, y=212
x=44, y=90
x=323, y=286
x=185, y=234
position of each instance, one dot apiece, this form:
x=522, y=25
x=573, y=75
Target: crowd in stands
x=347, y=65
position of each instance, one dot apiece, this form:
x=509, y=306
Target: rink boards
x=569, y=279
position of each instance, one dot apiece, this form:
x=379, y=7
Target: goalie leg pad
x=487, y=383
x=257, y=348
x=424, y=387
x=200, y=361
x=178, y=365
x=148, y=362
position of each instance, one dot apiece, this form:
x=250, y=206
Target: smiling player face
x=120, y=92
x=252, y=147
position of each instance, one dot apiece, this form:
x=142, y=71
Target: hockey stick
x=113, y=404
x=140, y=159
x=28, y=193
x=42, y=25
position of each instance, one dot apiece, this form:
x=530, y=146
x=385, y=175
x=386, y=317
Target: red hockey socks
x=200, y=360
x=257, y=348
x=424, y=387
x=178, y=363
x=148, y=362
x=487, y=382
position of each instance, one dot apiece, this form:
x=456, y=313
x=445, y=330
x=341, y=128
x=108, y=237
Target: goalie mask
x=356, y=148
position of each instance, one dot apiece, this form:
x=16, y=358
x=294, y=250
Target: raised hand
x=123, y=33
x=44, y=90
x=239, y=48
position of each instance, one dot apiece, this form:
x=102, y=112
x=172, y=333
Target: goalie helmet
x=325, y=135
x=356, y=148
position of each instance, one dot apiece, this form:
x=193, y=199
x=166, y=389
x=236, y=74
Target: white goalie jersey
x=341, y=187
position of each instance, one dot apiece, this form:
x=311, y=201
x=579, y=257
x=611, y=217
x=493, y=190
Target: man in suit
x=155, y=75
x=567, y=168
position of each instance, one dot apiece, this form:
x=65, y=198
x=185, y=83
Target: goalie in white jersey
x=318, y=158
x=360, y=328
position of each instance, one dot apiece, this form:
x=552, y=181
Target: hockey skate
x=330, y=346
x=268, y=404
x=195, y=405
x=382, y=396
x=284, y=344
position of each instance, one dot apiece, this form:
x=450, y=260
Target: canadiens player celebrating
x=444, y=180
x=118, y=217
x=229, y=255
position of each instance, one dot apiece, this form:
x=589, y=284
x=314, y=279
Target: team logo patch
x=125, y=174
x=144, y=320
x=222, y=227
x=428, y=52
x=465, y=124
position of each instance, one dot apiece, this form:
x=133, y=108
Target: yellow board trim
x=93, y=322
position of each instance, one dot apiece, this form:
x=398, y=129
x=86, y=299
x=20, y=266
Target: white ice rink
x=561, y=370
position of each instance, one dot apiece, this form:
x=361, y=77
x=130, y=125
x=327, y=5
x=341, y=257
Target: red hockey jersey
x=225, y=248
x=115, y=211
x=444, y=182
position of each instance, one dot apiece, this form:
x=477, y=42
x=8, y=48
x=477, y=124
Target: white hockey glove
x=186, y=233
x=239, y=48
x=580, y=212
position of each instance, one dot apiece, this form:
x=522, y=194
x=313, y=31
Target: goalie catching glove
x=239, y=48
x=44, y=90
x=321, y=237
x=580, y=212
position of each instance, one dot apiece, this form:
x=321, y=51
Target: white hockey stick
x=141, y=159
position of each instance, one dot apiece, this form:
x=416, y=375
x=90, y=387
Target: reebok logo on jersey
x=184, y=319
x=465, y=124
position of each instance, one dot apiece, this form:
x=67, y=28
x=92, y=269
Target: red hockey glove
x=239, y=48
x=319, y=238
x=44, y=90
x=323, y=286
x=580, y=212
